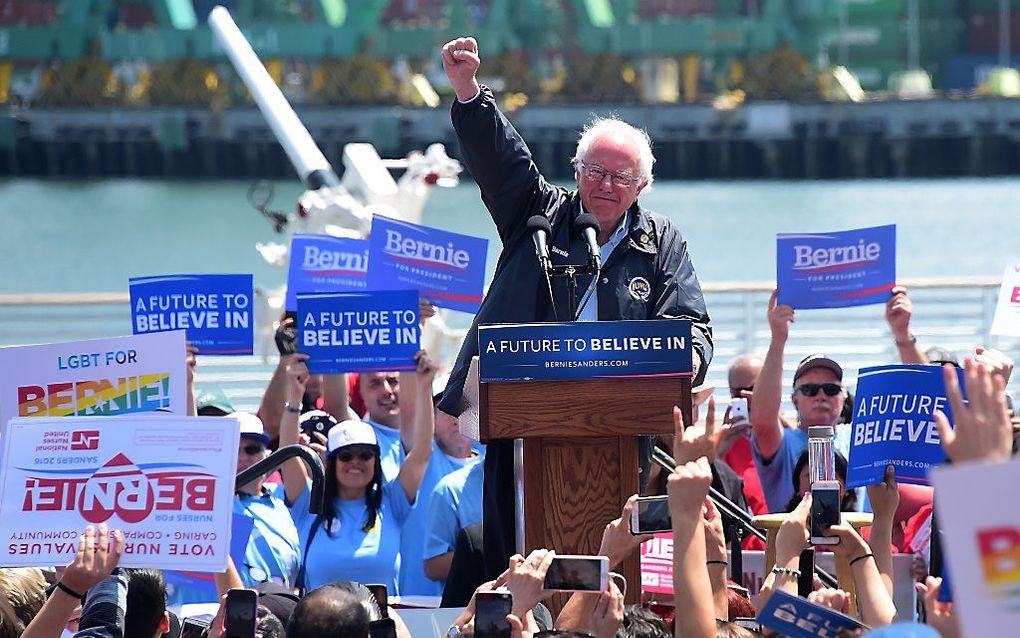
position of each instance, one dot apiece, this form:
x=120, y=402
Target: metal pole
x=519, y=493
x=844, y=23
x=1004, y=44
x=913, y=37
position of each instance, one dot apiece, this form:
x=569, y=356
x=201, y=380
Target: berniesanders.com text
x=902, y=463
x=618, y=363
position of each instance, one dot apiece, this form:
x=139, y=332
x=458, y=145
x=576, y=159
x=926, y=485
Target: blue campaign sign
x=894, y=423
x=323, y=263
x=215, y=311
x=584, y=350
x=447, y=268
x=797, y=617
x=836, y=270
x=358, y=331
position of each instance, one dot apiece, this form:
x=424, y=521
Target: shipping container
x=967, y=72
x=983, y=33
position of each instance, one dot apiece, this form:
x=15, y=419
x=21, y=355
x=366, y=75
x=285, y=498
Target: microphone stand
x=571, y=272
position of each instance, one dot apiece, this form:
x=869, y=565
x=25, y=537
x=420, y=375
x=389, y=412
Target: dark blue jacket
x=513, y=190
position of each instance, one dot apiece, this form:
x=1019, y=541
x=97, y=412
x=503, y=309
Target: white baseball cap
x=350, y=432
x=251, y=426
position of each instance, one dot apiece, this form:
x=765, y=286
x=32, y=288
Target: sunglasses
x=347, y=456
x=811, y=389
x=253, y=449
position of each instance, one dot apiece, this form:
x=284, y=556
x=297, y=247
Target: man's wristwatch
x=454, y=631
x=287, y=407
x=909, y=341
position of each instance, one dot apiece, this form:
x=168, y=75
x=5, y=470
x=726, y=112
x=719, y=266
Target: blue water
x=93, y=235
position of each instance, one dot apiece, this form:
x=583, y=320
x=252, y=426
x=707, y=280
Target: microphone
x=540, y=230
x=589, y=230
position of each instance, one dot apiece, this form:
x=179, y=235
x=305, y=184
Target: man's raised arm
x=768, y=389
x=499, y=160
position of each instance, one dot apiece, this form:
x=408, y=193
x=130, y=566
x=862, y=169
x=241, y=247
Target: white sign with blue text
x=215, y=311
x=584, y=350
x=323, y=263
x=358, y=331
x=894, y=423
x=837, y=269
x=447, y=268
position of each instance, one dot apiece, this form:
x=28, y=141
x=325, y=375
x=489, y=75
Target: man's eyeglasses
x=347, y=456
x=253, y=449
x=811, y=389
x=596, y=173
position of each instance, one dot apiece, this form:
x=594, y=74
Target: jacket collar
x=641, y=233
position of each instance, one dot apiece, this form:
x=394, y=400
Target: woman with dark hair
x=357, y=536
x=802, y=483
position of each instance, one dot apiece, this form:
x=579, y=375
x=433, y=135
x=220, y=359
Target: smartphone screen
x=491, y=609
x=381, y=599
x=239, y=620
x=824, y=512
x=383, y=628
x=652, y=515
x=577, y=573
x=194, y=628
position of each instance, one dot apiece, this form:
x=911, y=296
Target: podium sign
x=584, y=350
x=580, y=421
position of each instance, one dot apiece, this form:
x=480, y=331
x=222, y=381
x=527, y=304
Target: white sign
x=100, y=377
x=1007, y=311
x=982, y=544
x=167, y=482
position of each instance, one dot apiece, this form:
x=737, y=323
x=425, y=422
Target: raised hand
x=688, y=486
x=780, y=318
x=792, y=537
x=461, y=62
x=297, y=379
x=982, y=428
x=835, y=599
x=527, y=581
x=898, y=311
x=691, y=443
x=97, y=557
x=617, y=540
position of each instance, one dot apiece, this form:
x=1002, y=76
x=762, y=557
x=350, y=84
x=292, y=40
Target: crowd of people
x=414, y=505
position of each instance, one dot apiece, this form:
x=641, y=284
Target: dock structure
x=759, y=140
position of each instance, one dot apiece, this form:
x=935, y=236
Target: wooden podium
x=580, y=452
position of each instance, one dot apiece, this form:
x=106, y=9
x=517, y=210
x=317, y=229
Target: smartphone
x=491, y=609
x=578, y=573
x=824, y=511
x=381, y=599
x=383, y=628
x=747, y=623
x=286, y=340
x=194, y=628
x=650, y=515
x=738, y=411
x=239, y=619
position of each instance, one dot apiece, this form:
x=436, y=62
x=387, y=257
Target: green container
x=875, y=76
x=28, y=43
x=884, y=9
x=989, y=6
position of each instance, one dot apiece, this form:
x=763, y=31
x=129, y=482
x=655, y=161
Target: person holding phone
x=357, y=536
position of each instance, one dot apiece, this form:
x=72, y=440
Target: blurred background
x=160, y=93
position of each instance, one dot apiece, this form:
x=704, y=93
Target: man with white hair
x=646, y=269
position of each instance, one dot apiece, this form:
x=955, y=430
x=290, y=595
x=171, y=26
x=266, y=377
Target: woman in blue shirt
x=357, y=536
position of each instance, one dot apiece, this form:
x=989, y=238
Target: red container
x=983, y=33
